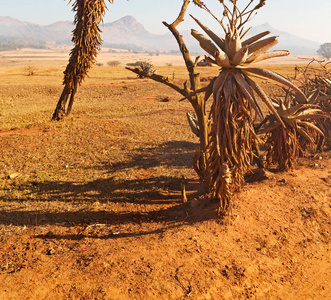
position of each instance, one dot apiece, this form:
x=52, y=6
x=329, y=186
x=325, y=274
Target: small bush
x=99, y=64
x=30, y=70
x=113, y=63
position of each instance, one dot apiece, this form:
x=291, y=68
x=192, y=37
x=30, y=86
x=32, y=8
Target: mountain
x=128, y=33
x=59, y=32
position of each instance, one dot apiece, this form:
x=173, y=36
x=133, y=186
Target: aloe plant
x=87, y=42
x=284, y=144
x=235, y=95
x=315, y=81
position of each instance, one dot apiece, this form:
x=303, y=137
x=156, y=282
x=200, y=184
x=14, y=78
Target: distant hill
x=59, y=32
x=8, y=43
x=127, y=33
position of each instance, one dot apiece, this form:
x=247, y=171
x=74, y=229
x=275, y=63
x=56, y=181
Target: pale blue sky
x=310, y=19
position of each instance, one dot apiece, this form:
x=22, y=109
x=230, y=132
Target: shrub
x=30, y=70
x=113, y=63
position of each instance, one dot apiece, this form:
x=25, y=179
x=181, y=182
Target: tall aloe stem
x=87, y=42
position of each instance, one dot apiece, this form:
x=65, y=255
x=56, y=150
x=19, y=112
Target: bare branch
x=190, y=65
x=165, y=80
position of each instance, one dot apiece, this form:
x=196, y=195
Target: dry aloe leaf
x=263, y=96
x=234, y=44
x=229, y=89
x=243, y=35
x=261, y=44
x=240, y=57
x=205, y=43
x=269, y=128
x=264, y=56
x=292, y=110
x=219, y=82
x=311, y=126
x=247, y=90
x=223, y=60
x=255, y=38
x=219, y=41
x=313, y=96
x=305, y=134
x=311, y=110
x=194, y=124
x=209, y=89
x=287, y=101
x=274, y=76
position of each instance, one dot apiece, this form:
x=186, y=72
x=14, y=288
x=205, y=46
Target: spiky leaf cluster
x=285, y=143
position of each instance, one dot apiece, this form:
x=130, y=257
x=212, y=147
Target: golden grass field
x=91, y=206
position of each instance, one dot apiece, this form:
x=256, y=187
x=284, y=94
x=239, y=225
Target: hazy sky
x=310, y=19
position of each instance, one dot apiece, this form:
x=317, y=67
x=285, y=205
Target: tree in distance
x=325, y=50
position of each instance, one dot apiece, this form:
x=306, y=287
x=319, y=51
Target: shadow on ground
x=158, y=197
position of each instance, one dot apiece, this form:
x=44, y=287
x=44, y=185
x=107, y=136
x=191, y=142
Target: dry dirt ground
x=90, y=207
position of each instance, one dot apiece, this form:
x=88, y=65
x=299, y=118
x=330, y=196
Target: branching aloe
x=235, y=95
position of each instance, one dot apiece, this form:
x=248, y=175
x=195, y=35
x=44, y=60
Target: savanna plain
x=90, y=207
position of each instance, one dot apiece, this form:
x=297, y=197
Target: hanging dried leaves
x=86, y=38
x=87, y=42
